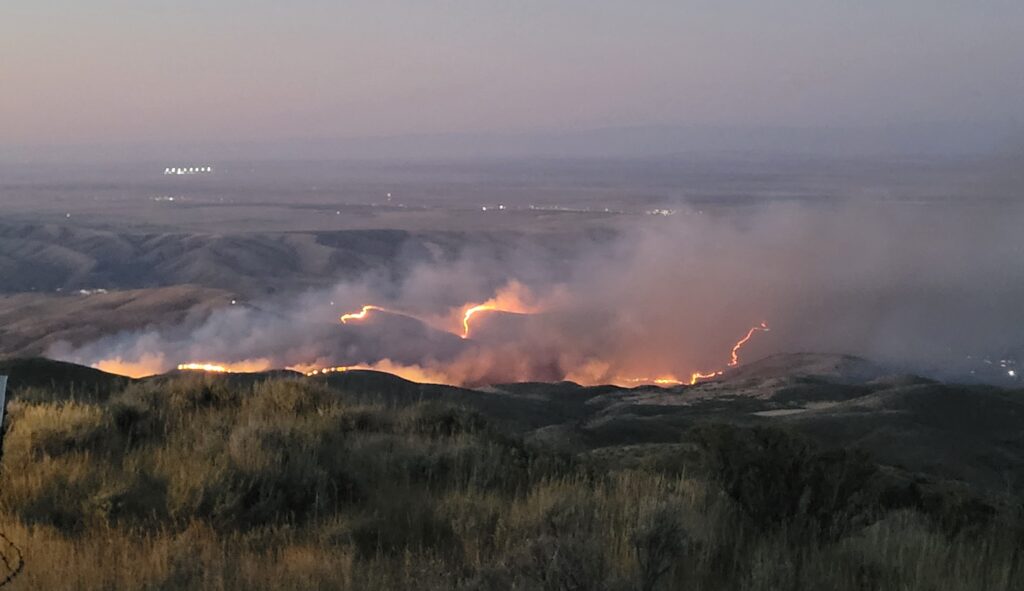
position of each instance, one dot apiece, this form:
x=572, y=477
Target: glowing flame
x=695, y=376
x=511, y=298
x=469, y=314
x=739, y=344
x=734, y=356
x=147, y=365
x=210, y=367
x=360, y=314
x=413, y=373
x=310, y=371
x=664, y=381
x=249, y=366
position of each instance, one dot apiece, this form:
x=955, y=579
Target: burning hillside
x=672, y=304
x=512, y=299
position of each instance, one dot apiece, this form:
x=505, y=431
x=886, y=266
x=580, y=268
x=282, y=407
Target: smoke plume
x=922, y=286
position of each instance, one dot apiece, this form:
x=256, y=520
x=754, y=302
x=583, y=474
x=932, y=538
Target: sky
x=120, y=71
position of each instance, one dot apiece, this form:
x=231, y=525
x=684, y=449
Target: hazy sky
x=229, y=70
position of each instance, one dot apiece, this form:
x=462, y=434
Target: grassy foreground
x=196, y=483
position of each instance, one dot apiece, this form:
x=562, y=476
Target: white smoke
x=916, y=285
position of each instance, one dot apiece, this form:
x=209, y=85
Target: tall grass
x=197, y=484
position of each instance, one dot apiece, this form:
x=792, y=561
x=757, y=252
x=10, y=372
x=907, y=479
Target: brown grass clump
x=284, y=484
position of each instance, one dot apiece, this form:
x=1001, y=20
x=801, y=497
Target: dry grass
x=286, y=485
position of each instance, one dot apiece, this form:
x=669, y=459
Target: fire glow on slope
x=514, y=298
x=734, y=355
x=248, y=366
x=442, y=375
x=669, y=380
x=481, y=363
x=345, y=318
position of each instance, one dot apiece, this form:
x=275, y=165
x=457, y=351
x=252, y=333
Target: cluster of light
x=326, y=370
x=188, y=170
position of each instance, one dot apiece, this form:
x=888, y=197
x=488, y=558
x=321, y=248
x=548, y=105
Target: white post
x=3, y=412
x=3, y=403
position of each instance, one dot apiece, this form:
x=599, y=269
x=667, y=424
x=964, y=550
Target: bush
x=57, y=428
x=140, y=499
x=273, y=473
x=136, y=421
x=286, y=398
x=659, y=542
x=777, y=478
x=564, y=554
x=407, y=524
x=442, y=420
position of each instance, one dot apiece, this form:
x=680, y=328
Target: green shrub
x=406, y=525
x=659, y=543
x=777, y=478
x=441, y=420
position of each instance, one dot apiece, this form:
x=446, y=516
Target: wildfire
x=739, y=344
x=361, y=314
x=477, y=364
x=413, y=373
x=322, y=371
x=666, y=381
x=469, y=314
x=210, y=367
x=734, y=355
x=248, y=366
x=511, y=298
x=695, y=376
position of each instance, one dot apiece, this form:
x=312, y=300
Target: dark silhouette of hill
x=969, y=433
x=368, y=478
x=66, y=379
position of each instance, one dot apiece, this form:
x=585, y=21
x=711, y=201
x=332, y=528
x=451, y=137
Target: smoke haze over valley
x=572, y=295
x=634, y=271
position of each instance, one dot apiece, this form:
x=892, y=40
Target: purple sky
x=118, y=71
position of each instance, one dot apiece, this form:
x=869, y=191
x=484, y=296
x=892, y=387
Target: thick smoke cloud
x=924, y=287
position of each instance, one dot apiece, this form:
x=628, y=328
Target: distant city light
x=172, y=170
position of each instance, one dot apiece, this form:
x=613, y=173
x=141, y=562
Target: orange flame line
x=210, y=367
x=361, y=314
x=469, y=314
x=734, y=355
x=703, y=376
x=739, y=344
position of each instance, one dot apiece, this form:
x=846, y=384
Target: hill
x=39, y=377
x=363, y=480
x=33, y=322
